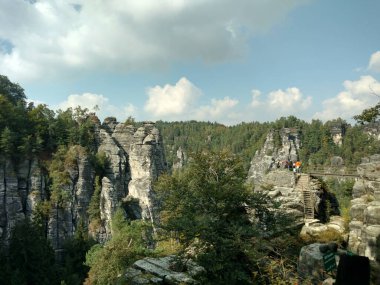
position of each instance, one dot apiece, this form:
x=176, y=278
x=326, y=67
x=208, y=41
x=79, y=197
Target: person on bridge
x=298, y=166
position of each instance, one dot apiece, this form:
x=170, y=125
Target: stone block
x=372, y=213
x=357, y=211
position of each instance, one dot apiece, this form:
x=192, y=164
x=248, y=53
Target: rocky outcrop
x=180, y=160
x=21, y=187
x=281, y=185
x=338, y=130
x=135, y=160
x=334, y=230
x=147, y=162
x=162, y=271
x=365, y=210
x=310, y=264
x=279, y=146
x=373, y=129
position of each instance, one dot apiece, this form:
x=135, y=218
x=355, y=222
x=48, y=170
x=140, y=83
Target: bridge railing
x=331, y=171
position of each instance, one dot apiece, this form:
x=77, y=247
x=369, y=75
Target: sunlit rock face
x=365, y=210
x=279, y=146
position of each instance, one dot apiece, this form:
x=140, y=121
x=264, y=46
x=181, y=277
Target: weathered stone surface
x=336, y=161
x=147, y=162
x=357, y=211
x=359, y=189
x=134, y=155
x=372, y=213
x=21, y=187
x=180, y=159
x=315, y=231
x=272, y=156
x=161, y=268
x=310, y=263
x=365, y=211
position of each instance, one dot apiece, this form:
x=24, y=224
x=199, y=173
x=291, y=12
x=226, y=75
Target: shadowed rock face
x=136, y=159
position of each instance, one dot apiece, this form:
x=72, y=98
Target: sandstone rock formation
x=279, y=146
x=21, y=187
x=334, y=229
x=136, y=158
x=162, y=271
x=310, y=264
x=365, y=210
x=281, y=185
x=180, y=160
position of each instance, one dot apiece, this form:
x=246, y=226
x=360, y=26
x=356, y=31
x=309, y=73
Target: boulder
x=161, y=271
x=310, y=264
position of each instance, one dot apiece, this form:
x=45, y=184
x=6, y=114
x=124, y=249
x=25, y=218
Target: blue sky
x=214, y=60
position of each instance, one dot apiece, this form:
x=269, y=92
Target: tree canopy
x=216, y=216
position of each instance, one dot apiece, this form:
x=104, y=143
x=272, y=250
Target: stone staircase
x=303, y=185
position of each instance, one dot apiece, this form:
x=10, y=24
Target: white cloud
x=181, y=102
x=356, y=96
x=290, y=99
x=277, y=103
x=56, y=38
x=171, y=100
x=374, y=62
x=256, y=98
x=99, y=104
x=218, y=110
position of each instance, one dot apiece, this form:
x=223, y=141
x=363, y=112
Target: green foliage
x=369, y=115
x=74, y=271
x=130, y=121
x=278, y=263
x=357, y=144
x=30, y=258
x=210, y=208
x=242, y=139
x=41, y=214
x=101, y=162
x=94, y=206
x=129, y=243
x=12, y=91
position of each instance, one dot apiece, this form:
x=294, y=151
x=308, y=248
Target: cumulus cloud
x=172, y=100
x=278, y=103
x=58, y=37
x=356, y=96
x=181, y=101
x=256, y=98
x=99, y=104
x=290, y=99
x=374, y=62
x=218, y=109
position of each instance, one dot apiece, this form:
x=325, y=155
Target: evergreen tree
x=211, y=209
x=31, y=257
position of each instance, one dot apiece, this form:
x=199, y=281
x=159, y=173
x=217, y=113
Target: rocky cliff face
x=373, y=129
x=279, y=146
x=281, y=185
x=21, y=187
x=365, y=210
x=181, y=159
x=136, y=159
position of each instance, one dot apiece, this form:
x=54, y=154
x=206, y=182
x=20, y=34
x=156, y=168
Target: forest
x=206, y=206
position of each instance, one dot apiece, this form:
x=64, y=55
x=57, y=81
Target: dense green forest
x=317, y=146
x=237, y=248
